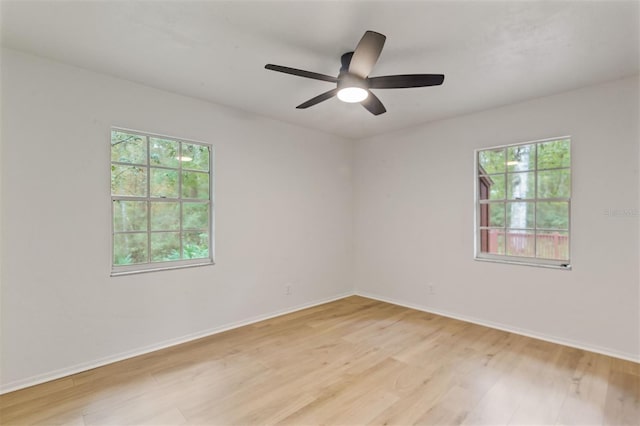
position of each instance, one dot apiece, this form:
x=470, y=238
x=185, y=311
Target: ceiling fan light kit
x=351, y=88
x=353, y=82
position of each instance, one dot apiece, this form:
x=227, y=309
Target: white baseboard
x=507, y=328
x=78, y=368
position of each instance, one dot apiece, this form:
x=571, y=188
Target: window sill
x=144, y=270
x=564, y=266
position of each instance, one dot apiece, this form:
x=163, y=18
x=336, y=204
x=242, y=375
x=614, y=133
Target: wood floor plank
x=622, y=405
x=33, y=392
x=349, y=362
x=344, y=394
x=423, y=396
x=451, y=409
x=625, y=366
x=547, y=389
x=584, y=404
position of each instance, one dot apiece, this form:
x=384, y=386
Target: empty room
x=320, y=212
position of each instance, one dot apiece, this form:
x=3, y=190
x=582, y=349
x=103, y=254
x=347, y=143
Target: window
x=523, y=206
x=161, y=202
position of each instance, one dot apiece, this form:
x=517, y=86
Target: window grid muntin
x=532, y=260
x=148, y=165
x=150, y=265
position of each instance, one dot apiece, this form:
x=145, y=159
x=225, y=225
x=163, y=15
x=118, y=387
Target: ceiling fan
x=353, y=81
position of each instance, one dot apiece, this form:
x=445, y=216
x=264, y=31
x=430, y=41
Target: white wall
x=414, y=221
x=283, y=215
x=285, y=203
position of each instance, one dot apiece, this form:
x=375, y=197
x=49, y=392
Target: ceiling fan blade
x=301, y=73
x=404, y=81
x=373, y=104
x=366, y=54
x=320, y=98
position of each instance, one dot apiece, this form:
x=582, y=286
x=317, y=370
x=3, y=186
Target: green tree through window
x=161, y=202
x=524, y=197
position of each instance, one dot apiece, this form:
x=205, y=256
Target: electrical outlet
x=431, y=288
x=287, y=290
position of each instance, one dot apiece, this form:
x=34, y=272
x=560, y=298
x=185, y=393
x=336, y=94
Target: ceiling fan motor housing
x=346, y=79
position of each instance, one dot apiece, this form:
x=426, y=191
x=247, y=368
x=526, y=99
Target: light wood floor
x=354, y=361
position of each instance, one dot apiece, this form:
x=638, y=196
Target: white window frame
x=150, y=266
x=522, y=260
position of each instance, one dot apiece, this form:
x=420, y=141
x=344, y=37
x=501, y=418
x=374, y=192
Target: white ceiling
x=492, y=53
